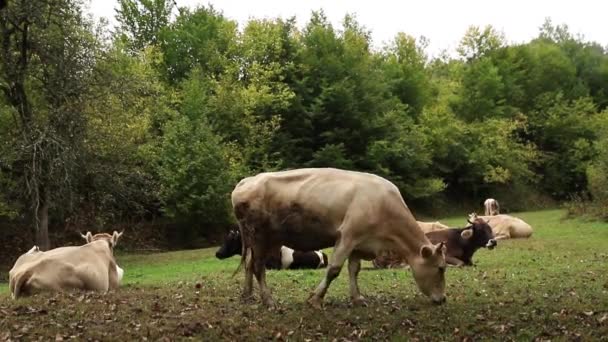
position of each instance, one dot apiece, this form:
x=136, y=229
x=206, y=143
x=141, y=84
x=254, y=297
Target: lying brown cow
x=310, y=209
x=461, y=244
x=506, y=226
x=87, y=267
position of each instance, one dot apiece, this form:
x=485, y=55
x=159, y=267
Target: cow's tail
x=245, y=250
x=17, y=282
x=244, y=260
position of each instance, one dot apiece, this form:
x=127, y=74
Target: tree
x=477, y=43
x=201, y=38
x=141, y=21
x=404, y=65
x=48, y=53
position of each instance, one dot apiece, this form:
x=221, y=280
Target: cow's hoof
x=247, y=298
x=269, y=303
x=359, y=301
x=315, y=302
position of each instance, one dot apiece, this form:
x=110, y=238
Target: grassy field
x=553, y=286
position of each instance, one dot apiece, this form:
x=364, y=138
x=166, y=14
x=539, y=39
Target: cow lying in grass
x=461, y=244
x=506, y=226
x=286, y=258
x=88, y=267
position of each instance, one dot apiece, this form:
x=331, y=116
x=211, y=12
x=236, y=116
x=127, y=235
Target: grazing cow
x=506, y=226
x=491, y=207
x=461, y=244
x=88, y=267
x=287, y=258
x=431, y=226
x=360, y=214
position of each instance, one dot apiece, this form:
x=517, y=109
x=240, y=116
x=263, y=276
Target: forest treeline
x=159, y=117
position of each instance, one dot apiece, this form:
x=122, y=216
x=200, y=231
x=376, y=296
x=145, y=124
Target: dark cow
x=287, y=258
x=461, y=244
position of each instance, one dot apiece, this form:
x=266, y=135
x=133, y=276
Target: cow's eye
x=441, y=269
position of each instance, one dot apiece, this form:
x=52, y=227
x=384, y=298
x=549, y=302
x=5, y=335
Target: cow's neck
x=409, y=242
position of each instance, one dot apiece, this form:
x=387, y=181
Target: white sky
x=443, y=22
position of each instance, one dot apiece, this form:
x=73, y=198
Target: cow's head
x=479, y=233
x=428, y=268
x=232, y=245
x=112, y=239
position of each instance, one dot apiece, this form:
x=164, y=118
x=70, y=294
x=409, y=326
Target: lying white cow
x=506, y=227
x=88, y=267
x=428, y=227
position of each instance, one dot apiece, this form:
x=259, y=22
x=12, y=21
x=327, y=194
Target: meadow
x=553, y=286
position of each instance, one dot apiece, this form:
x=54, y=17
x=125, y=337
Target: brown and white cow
x=360, y=214
x=506, y=226
x=491, y=207
x=431, y=226
x=88, y=267
x=461, y=244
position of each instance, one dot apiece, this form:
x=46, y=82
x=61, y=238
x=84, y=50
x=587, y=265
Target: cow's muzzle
x=221, y=255
x=491, y=244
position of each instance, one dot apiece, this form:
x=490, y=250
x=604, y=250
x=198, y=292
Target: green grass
x=553, y=286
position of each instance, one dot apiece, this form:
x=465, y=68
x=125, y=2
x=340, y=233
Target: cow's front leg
x=502, y=237
x=450, y=260
x=341, y=252
x=354, y=266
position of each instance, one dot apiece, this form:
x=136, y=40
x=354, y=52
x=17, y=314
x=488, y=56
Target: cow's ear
x=440, y=248
x=115, y=237
x=466, y=234
x=426, y=251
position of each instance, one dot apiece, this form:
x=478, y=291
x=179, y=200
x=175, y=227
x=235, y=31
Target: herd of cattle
x=285, y=219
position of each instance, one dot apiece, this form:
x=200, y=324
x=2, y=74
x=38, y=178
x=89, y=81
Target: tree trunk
x=42, y=231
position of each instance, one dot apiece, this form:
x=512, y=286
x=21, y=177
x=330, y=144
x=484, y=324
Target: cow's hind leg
x=259, y=269
x=341, y=252
x=247, y=294
x=354, y=266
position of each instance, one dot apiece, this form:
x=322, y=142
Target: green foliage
x=200, y=38
x=141, y=21
x=196, y=173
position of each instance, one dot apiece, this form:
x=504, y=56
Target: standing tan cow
x=506, y=226
x=88, y=267
x=360, y=214
x=491, y=207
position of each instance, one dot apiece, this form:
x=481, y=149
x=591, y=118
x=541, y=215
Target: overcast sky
x=443, y=22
